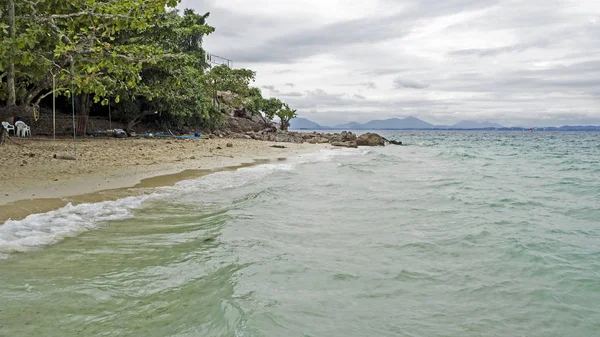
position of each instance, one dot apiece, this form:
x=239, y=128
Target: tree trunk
x=82, y=110
x=10, y=75
x=82, y=104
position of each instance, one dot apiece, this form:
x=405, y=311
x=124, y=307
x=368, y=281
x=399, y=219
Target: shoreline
x=41, y=184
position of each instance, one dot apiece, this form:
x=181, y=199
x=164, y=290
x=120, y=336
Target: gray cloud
x=519, y=47
x=271, y=88
x=400, y=83
x=513, y=62
x=291, y=94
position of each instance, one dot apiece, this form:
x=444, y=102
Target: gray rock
x=345, y=144
x=371, y=139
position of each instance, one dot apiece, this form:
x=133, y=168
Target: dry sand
x=32, y=181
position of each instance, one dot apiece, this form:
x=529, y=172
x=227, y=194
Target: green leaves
x=286, y=114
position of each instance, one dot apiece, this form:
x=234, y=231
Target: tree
x=10, y=74
x=271, y=106
x=82, y=44
x=235, y=81
x=286, y=114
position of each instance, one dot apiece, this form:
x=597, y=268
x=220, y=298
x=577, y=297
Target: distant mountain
x=413, y=123
x=349, y=126
x=389, y=124
x=475, y=125
x=305, y=124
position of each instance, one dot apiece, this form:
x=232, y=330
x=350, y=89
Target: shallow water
x=457, y=234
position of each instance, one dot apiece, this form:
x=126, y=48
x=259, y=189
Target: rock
x=318, y=140
x=342, y=137
x=219, y=148
x=288, y=137
x=193, y=157
x=229, y=145
x=394, y=142
x=345, y=144
x=247, y=137
x=371, y=139
x=242, y=125
x=278, y=146
x=211, y=136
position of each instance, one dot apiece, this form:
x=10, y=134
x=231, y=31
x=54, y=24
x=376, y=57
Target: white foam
x=38, y=230
x=46, y=228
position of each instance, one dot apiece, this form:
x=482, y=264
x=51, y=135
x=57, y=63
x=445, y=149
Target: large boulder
x=371, y=139
x=243, y=125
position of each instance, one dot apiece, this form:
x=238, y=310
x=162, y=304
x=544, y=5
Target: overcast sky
x=515, y=62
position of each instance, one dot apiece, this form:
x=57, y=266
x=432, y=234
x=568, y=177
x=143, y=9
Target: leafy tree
x=271, y=106
x=79, y=43
x=235, y=81
x=286, y=114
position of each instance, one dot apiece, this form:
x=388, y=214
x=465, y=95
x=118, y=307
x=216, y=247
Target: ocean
x=456, y=234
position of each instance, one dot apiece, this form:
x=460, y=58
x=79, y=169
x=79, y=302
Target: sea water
x=455, y=234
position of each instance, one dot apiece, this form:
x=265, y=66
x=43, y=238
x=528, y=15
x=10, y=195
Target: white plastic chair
x=23, y=130
x=8, y=127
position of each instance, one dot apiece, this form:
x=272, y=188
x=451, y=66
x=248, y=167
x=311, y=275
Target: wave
x=38, y=230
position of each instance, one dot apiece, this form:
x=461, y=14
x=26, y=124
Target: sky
x=513, y=62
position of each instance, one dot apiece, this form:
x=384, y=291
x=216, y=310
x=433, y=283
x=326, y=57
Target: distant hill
x=389, y=124
x=475, y=125
x=413, y=123
x=303, y=123
x=349, y=126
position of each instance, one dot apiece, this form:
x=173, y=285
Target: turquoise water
x=457, y=234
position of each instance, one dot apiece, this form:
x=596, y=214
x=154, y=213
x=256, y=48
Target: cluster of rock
x=242, y=124
x=258, y=128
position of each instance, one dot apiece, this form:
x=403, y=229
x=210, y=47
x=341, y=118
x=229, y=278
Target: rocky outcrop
x=343, y=137
x=289, y=137
x=257, y=127
x=371, y=139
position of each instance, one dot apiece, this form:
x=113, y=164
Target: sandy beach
x=32, y=180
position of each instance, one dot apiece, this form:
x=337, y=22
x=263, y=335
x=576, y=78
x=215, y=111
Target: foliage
x=141, y=55
x=285, y=114
x=271, y=106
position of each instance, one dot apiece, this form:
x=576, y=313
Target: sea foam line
x=38, y=230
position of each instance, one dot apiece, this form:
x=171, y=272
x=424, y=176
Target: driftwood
x=56, y=156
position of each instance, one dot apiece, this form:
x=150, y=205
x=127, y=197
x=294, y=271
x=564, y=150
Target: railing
x=212, y=59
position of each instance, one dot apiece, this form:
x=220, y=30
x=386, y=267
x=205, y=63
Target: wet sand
x=32, y=181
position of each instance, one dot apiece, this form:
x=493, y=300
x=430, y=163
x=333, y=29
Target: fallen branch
x=56, y=156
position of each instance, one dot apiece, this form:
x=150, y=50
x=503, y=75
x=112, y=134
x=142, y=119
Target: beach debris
x=56, y=156
x=219, y=148
x=229, y=145
x=278, y=146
